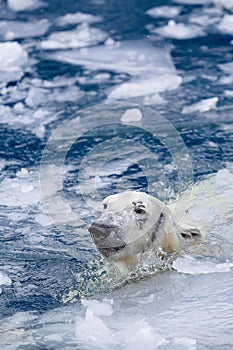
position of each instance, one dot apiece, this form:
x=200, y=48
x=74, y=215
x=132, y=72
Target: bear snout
x=100, y=231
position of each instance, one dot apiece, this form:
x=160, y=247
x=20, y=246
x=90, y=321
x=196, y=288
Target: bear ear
x=190, y=233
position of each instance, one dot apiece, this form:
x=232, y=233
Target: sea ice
x=164, y=11
x=82, y=36
x=142, y=87
x=11, y=30
x=76, y=18
x=228, y=4
x=4, y=279
x=25, y=5
x=201, y=106
x=178, y=31
x=226, y=24
x=193, y=266
x=130, y=115
x=13, y=58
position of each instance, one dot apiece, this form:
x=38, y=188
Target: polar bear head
x=131, y=222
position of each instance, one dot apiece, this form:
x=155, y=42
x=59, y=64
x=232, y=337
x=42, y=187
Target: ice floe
x=76, y=18
x=142, y=87
x=13, y=61
x=82, y=36
x=226, y=25
x=178, y=31
x=228, y=4
x=164, y=11
x=25, y=5
x=4, y=279
x=193, y=266
x=202, y=106
x=11, y=30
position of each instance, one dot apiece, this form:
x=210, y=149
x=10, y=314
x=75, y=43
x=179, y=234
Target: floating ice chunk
x=93, y=330
x=142, y=87
x=153, y=100
x=138, y=336
x=178, y=31
x=25, y=5
x=204, y=20
x=201, y=106
x=131, y=115
x=132, y=57
x=19, y=191
x=190, y=265
x=10, y=30
x=224, y=180
x=13, y=59
x=226, y=67
x=164, y=11
x=228, y=93
x=99, y=308
x=228, y=4
x=193, y=2
x=226, y=25
x=4, y=279
x=43, y=220
x=82, y=36
x=78, y=17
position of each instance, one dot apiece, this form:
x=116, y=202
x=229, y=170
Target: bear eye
x=139, y=210
x=105, y=206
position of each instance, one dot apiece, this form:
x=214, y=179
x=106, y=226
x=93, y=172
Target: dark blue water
x=43, y=260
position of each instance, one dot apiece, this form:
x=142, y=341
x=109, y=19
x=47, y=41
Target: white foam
x=82, y=36
x=13, y=59
x=164, y=11
x=179, y=31
x=11, y=30
x=25, y=5
x=193, y=266
x=142, y=87
x=76, y=18
x=201, y=106
x=226, y=24
x=4, y=279
x=132, y=114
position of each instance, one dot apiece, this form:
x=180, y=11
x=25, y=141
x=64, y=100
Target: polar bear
x=132, y=222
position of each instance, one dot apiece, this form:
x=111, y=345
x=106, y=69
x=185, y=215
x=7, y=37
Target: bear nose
x=101, y=230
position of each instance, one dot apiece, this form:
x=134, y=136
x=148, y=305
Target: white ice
x=11, y=30
x=82, y=36
x=228, y=4
x=4, y=279
x=164, y=11
x=202, y=106
x=178, y=31
x=142, y=87
x=226, y=24
x=132, y=114
x=25, y=5
x=193, y=266
x=13, y=61
x=76, y=18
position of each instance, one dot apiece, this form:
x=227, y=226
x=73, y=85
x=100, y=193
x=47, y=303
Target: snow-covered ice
x=142, y=87
x=164, y=11
x=178, y=31
x=13, y=61
x=11, y=30
x=193, y=266
x=202, y=106
x=25, y=5
x=226, y=24
x=76, y=18
x=82, y=36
